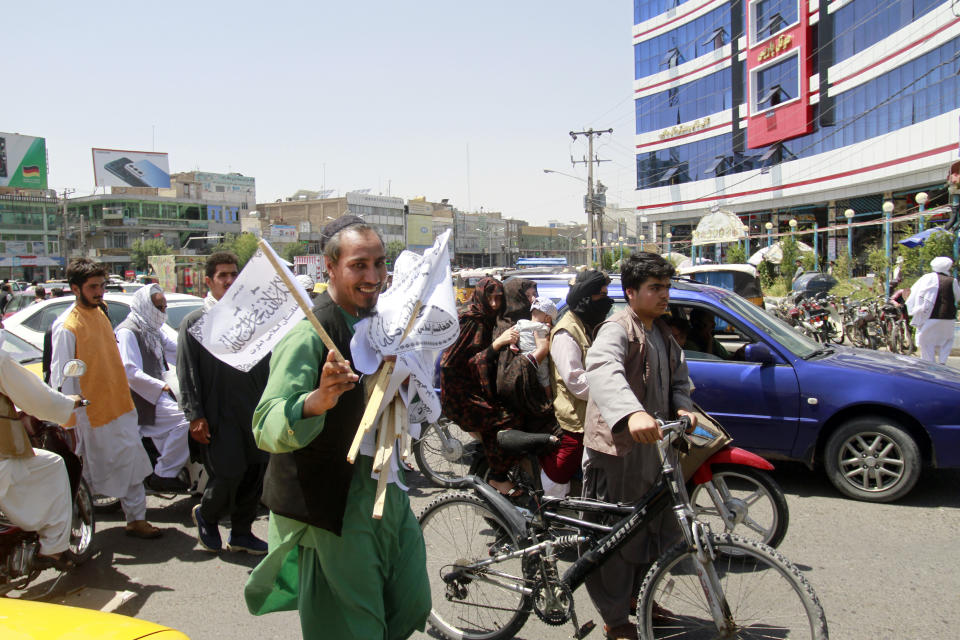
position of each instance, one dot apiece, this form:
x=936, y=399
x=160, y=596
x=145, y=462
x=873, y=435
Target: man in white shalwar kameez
x=146, y=351
x=34, y=487
x=932, y=306
x=114, y=460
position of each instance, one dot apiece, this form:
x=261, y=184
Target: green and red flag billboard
x=23, y=161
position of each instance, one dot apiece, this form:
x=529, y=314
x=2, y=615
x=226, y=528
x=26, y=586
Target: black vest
x=945, y=306
x=311, y=484
x=146, y=410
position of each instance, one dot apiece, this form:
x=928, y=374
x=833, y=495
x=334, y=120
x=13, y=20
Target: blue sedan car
x=871, y=420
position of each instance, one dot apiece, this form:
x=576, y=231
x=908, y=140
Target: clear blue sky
x=347, y=95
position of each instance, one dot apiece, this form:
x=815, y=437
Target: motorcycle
x=19, y=549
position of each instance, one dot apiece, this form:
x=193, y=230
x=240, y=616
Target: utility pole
x=592, y=211
x=63, y=227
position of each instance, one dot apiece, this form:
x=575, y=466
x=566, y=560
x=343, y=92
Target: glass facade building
x=772, y=107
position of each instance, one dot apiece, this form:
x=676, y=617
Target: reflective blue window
x=778, y=83
x=646, y=9
x=692, y=161
x=923, y=88
x=861, y=23
x=685, y=102
x=773, y=16
x=691, y=40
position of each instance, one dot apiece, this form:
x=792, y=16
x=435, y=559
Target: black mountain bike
x=495, y=563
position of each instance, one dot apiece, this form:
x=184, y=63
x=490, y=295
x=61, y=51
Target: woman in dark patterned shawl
x=516, y=381
x=468, y=377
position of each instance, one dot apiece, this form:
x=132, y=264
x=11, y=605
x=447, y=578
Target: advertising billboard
x=115, y=168
x=23, y=161
x=419, y=230
x=283, y=233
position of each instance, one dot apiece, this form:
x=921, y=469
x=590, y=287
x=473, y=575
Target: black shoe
x=161, y=484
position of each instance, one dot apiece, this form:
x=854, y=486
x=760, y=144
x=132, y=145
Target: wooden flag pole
x=307, y=311
x=386, y=450
x=383, y=444
x=377, y=399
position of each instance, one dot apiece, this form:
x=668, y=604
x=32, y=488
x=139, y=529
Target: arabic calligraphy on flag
x=256, y=311
x=425, y=279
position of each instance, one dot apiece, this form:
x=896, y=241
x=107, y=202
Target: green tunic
x=371, y=582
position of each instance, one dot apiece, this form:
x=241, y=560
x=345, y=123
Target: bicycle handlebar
x=675, y=428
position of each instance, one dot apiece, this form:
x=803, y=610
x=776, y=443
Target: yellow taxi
x=25, y=620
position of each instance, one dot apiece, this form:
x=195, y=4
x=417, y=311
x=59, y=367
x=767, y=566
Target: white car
x=30, y=323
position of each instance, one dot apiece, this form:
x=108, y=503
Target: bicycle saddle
x=518, y=442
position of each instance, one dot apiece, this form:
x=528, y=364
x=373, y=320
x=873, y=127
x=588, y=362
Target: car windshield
x=21, y=351
x=177, y=312
x=797, y=344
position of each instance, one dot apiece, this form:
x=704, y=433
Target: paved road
x=881, y=571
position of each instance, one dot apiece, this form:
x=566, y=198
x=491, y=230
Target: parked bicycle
x=496, y=563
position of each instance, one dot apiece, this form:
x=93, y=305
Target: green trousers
x=370, y=583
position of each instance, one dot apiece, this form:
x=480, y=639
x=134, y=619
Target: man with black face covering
x=569, y=340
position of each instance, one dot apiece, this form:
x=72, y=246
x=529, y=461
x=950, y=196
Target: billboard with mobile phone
x=23, y=161
x=116, y=168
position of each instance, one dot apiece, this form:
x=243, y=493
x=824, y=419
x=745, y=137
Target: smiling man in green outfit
x=349, y=575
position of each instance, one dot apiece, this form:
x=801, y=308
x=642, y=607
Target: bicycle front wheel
x=476, y=603
x=767, y=596
x=444, y=452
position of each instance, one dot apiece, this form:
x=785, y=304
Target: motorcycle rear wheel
x=83, y=525
x=756, y=501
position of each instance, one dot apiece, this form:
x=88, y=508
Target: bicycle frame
x=669, y=488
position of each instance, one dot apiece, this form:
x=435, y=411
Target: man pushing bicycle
x=636, y=372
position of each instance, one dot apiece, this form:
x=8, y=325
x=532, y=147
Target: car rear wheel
x=872, y=458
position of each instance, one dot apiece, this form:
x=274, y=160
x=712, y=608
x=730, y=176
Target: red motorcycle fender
x=729, y=455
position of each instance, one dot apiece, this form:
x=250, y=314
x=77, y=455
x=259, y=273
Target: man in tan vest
x=114, y=460
x=34, y=487
x=588, y=305
x=636, y=373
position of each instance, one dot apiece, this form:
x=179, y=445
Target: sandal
x=63, y=563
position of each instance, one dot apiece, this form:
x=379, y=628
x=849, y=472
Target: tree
x=143, y=249
x=292, y=250
x=607, y=259
x=736, y=254
x=791, y=253
x=394, y=248
x=243, y=245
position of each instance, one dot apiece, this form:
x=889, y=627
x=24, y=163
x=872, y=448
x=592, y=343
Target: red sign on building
x=779, y=66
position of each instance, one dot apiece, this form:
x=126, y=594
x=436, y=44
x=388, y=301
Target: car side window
x=710, y=335
x=43, y=320
x=117, y=312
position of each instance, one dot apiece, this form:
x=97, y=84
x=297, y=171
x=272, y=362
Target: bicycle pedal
x=585, y=629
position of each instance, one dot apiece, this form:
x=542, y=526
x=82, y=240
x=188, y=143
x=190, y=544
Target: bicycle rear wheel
x=459, y=529
x=767, y=596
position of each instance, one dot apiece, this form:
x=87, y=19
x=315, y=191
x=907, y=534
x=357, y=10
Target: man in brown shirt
x=636, y=373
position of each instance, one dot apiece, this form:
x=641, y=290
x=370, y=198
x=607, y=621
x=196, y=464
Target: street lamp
x=848, y=214
x=921, y=199
x=888, y=238
x=669, y=236
x=620, y=238
x=769, y=227
x=642, y=238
